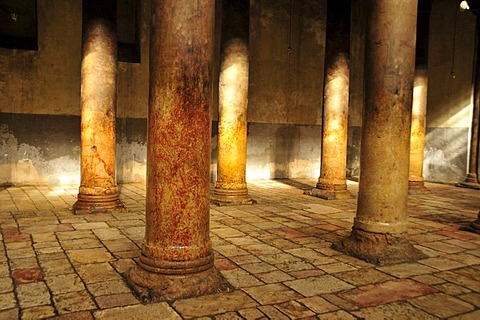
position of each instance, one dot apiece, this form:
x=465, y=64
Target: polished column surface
x=379, y=233
x=98, y=190
x=332, y=183
x=416, y=181
x=231, y=186
x=177, y=256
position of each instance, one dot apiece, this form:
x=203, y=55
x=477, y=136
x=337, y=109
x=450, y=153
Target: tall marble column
x=416, y=183
x=98, y=190
x=231, y=187
x=379, y=233
x=332, y=183
x=177, y=255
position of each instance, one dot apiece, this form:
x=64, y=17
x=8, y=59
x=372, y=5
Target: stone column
x=98, y=190
x=416, y=184
x=231, y=186
x=417, y=135
x=472, y=179
x=379, y=233
x=332, y=183
x=177, y=255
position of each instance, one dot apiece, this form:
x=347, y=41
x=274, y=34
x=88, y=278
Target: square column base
x=379, y=248
x=231, y=197
x=154, y=287
x=329, y=194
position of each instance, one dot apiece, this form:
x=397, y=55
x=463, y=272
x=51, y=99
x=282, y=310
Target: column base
x=379, y=248
x=231, y=197
x=417, y=188
x=330, y=193
x=154, y=287
x=87, y=204
x=475, y=225
x=471, y=185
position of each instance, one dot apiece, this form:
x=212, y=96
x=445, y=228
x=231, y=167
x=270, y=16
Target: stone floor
x=277, y=255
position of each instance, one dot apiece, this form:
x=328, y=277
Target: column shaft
x=417, y=135
x=177, y=255
x=98, y=188
x=379, y=231
x=231, y=186
x=332, y=183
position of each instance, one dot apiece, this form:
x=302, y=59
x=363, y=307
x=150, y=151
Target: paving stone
x=318, y=304
x=26, y=299
x=53, y=267
x=116, y=300
x=95, y=255
x=475, y=315
x=309, y=287
x=65, y=283
x=442, y=305
x=240, y=278
x=6, y=285
x=405, y=270
x=251, y=314
x=336, y=315
x=38, y=313
x=336, y=267
x=7, y=301
x=363, y=276
x=213, y=304
x=73, y=301
x=441, y=263
x=27, y=275
x=451, y=288
x=10, y=314
x=272, y=293
x=294, y=310
x=274, y=276
x=152, y=311
x=272, y=313
x=261, y=267
x=300, y=274
x=459, y=279
x=472, y=298
x=226, y=316
x=97, y=272
x=400, y=310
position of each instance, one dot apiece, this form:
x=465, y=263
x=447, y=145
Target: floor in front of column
x=277, y=254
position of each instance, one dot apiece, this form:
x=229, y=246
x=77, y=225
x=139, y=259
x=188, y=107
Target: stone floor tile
x=10, y=314
x=294, y=310
x=442, y=305
x=53, y=267
x=336, y=267
x=451, y=288
x=26, y=299
x=251, y=314
x=465, y=258
x=274, y=276
x=336, y=315
x=405, y=270
x=429, y=279
x=300, y=274
x=472, y=298
x=261, y=267
x=313, y=286
x=7, y=301
x=475, y=315
x=400, y=310
x=73, y=301
x=213, y=304
x=230, y=250
x=107, y=287
x=95, y=255
x=27, y=275
x=272, y=293
x=97, y=272
x=318, y=304
x=38, y=313
x=226, y=316
x=377, y=294
x=272, y=313
x=363, y=276
x=240, y=278
x=24, y=263
x=459, y=279
x=152, y=311
x=443, y=247
x=6, y=285
x=82, y=243
x=116, y=300
x=123, y=265
x=294, y=266
x=64, y=283
x=441, y=263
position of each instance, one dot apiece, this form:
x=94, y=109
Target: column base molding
x=379, y=248
x=417, y=187
x=231, y=197
x=475, y=225
x=154, y=287
x=90, y=204
x=470, y=185
x=330, y=192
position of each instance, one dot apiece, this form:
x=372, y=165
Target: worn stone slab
x=442, y=305
x=272, y=293
x=65, y=283
x=398, y=310
x=153, y=311
x=313, y=286
x=73, y=301
x=89, y=255
x=33, y=294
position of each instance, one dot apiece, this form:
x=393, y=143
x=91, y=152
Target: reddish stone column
x=379, y=233
x=231, y=186
x=332, y=183
x=177, y=255
x=98, y=190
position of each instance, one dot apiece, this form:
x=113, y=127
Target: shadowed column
x=379, y=233
x=98, y=190
x=416, y=184
x=332, y=183
x=231, y=186
x=177, y=256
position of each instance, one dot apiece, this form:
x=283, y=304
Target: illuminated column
x=98, y=187
x=417, y=135
x=332, y=183
x=231, y=186
x=177, y=255
x=379, y=233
